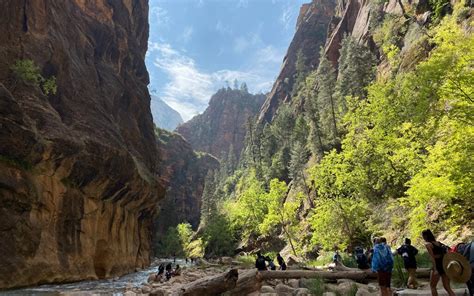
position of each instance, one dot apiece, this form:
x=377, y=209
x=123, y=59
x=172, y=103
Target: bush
x=315, y=286
x=28, y=71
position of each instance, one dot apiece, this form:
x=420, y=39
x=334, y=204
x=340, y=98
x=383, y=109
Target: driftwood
x=211, y=285
x=248, y=282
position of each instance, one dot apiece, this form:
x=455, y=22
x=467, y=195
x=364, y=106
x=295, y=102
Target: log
x=330, y=275
x=248, y=282
x=211, y=285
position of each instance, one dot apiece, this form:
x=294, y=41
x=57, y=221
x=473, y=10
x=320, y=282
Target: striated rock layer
x=184, y=171
x=78, y=184
x=221, y=127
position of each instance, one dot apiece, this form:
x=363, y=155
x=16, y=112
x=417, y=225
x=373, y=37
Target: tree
x=281, y=213
x=244, y=88
x=328, y=114
x=28, y=71
x=299, y=157
x=356, y=71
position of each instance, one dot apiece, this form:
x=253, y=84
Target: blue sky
x=195, y=46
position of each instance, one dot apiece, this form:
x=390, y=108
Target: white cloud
x=223, y=28
x=243, y=3
x=189, y=88
x=187, y=34
x=159, y=16
x=287, y=16
x=243, y=43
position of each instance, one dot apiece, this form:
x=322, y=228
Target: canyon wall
x=78, y=169
x=222, y=126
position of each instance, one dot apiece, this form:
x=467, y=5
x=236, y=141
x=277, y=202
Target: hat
x=457, y=267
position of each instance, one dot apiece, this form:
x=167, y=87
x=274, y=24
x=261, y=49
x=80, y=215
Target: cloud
x=243, y=43
x=187, y=33
x=243, y=3
x=287, y=16
x=159, y=16
x=223, y=28
x=189, y=88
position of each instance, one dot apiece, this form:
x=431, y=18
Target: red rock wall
x=78, y=185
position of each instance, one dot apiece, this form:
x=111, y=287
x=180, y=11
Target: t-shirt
x=408, y=253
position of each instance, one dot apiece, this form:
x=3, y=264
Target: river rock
x=302, y=292
x=283, y=289
x=225, y=260
x=329, y=294
x=267, y=289
x=294, y=283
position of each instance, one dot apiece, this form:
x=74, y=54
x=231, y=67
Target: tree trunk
x=248, y=282
x=211, y=285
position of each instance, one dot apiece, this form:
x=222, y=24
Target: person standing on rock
x=408, y=253
x=436, y=250
x=281, y=262
x=382, y=264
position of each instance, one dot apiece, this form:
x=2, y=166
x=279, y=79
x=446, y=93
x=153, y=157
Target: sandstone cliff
x=78, y=186
x=222, y=125
x=313, y=23
x=183, y=171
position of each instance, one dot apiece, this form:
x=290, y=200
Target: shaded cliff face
x=313, y=24
x=184, y=171
x=164, y=116
x=78, y=186
x=222, y=125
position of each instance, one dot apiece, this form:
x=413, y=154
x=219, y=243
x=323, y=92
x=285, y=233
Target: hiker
x=186, y=260
x=457, y=267
x=436, y=250
x=177, y=270
x=382, y=264
x=468, y=252
x=336, y=258
x=168, y=271
x=361, y=258
x=281, y=262
x=260, y=262
x=271, y=265
x=408, y=253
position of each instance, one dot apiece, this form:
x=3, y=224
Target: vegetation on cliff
x=359, y=152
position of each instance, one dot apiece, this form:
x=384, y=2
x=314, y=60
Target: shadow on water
x=114, y=286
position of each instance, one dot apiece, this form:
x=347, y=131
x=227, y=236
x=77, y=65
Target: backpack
x=260, y=263
x=385, y=258
x=362, y=261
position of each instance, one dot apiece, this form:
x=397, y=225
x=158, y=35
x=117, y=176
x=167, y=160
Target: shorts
x=384, y=278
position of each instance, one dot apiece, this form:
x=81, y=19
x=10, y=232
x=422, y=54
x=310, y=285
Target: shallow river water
x=95, y=287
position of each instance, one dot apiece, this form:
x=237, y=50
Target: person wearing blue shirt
x=382, y=264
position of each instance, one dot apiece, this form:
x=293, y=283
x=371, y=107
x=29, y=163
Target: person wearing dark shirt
x=260, y=262
x=281, y=262
x=408, y=253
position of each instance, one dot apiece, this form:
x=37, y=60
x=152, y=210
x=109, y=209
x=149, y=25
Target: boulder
x=329, y=294
x=294, y=283
x=302, y=292
x=267, y=289
x=283, y=289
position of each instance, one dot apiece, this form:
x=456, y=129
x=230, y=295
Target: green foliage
x=218, y=237
x=315, y=286
x=439, y=8
x=185, y=233
x=170, y=244
x=27, y=71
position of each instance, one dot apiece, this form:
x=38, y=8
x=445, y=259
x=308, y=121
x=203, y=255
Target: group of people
x=165, y=273
x=261, y=262
x=455, y=264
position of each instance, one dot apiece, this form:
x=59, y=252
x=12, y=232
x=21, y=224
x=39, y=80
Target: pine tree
x=326, y=81
x=356, y=71
x=299, y=158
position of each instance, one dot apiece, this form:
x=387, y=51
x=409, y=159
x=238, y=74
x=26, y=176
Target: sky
x=198, y=46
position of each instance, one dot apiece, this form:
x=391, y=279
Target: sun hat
x=457, y=267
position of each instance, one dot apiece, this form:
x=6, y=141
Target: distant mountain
x=164, y=116
x=222, y=125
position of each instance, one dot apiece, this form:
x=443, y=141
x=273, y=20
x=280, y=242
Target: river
x=114, y=286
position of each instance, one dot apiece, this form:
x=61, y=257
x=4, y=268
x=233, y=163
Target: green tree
x=299, y=158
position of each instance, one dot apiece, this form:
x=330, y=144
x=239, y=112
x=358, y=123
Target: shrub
x=315, y=286
x=27, y=71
